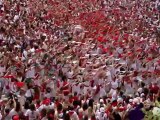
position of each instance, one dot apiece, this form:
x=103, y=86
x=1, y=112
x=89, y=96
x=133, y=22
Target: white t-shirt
x=25, y=54
x=29, y=93
x=114, y=84
x=76, y=88
x=32, y=115
x=48, y=95
x=74, y=116
x=30, y=73
x=102, y=92
x=51, y=106
x=101, y=115
x=12, y=113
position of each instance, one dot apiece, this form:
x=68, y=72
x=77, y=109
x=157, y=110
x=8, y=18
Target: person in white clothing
x=32, y=113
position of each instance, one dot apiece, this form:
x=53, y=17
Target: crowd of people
x=79, y=60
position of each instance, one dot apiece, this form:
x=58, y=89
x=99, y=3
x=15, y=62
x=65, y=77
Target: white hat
x=130, y=100
x=119, y=100
x=95, y=87
x=139, y=90
x=142, y=94
x=101, y=101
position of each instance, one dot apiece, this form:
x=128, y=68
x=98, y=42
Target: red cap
x=20, y=84
x=46, y=101
x=16, y=117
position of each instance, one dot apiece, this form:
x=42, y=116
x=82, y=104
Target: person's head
x=6, y=111
x=18, y=106
x=70, y=108
x=91, y=103
x=36, y=89
x=93, y=117
x=48, y=89
x=75, y=93
x=141, y=105
x=50, y=114
x=43, y=112
x=32, y=107
x=75, y=103
x=85, y=117
x=64, y=78
x=142, y=84
x=38, y=102
x=59, y=107
x=85, y=106
x=67, y=117
x=26, y=105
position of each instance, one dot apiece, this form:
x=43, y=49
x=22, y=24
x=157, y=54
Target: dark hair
x=22, y=116
x=48, y=89
x=85, y=117
x=38, y=102
x=26, y=105
x=90, y=104
x=43, y=112
x=7, y=110
x=32, y=107
x=93, y=117
x=75, y=103
x=36, y=89
x=85, y=106
x=70, y=108
x=64, y=78
x=75, y=93
x=141, y=105
x=18, y=107
x=50, y=114
x=79, y=103
x=59, y=107
x=142, y=84
x=66, y=117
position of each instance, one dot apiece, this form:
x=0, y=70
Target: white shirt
x=76, y=88
x=101, y=116
x=102, y=92
x=114, y=84
x=74, y=116
x=29, y=93
x=51, y=106
x=12, y=113
x=25, y=54
x=30, y=73
x=33, y=115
